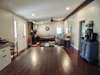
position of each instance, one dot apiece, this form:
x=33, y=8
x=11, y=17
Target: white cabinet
x=21, y=38
x=5, y=57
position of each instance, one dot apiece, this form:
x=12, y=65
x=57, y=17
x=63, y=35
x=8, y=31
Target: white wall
x=6, y=25
x=42, y=31
x=75, y=31
x=53, y=29
x=90, y=12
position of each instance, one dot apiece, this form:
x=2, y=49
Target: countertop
x=4, y=45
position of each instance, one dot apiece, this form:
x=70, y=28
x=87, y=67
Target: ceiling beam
x=81, y=6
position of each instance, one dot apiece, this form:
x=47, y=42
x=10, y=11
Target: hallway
x=48, y=61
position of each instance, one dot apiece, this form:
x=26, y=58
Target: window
x=24, y=29
x=66, y=30
x=15, y=29
x=59, y=30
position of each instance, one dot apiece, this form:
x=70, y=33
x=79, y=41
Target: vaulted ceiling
x=41, y=9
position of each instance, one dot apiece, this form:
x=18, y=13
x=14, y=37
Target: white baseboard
x=74, y=47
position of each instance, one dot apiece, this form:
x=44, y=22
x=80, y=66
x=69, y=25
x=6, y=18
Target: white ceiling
x=41, y=8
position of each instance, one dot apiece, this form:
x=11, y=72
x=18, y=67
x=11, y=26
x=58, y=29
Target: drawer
x=5, y=51
x=5, y=57
x=4, y=61
x=1, y=63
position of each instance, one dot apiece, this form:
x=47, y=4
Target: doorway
x=81, y=33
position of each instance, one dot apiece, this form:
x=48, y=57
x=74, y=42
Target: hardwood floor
x=49, y=61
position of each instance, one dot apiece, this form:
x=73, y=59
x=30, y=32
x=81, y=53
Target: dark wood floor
x=49, y=61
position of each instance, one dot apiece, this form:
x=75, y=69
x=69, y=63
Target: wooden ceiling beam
x=81, y=6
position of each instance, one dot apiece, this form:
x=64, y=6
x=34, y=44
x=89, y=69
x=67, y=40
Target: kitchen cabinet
x=89, y=51
x=5, y=57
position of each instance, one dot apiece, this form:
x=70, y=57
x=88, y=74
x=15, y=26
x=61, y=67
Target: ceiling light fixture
x=33, y=15
x=67, y=8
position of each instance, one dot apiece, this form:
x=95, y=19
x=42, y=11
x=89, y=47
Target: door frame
x=80, y=30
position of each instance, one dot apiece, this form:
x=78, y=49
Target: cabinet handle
x=4, y=56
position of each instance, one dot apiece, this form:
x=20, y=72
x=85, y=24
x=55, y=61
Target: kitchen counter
x=5, y=55
x=4, y=45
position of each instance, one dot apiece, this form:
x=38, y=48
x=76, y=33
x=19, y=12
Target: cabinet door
x=5, y=57
x=4, y=51
x=21, y=35
x=1, y=63
x=6, y=60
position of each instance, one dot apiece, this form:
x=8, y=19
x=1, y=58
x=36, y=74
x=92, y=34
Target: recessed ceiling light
x=33, y=15
x=67, y=8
